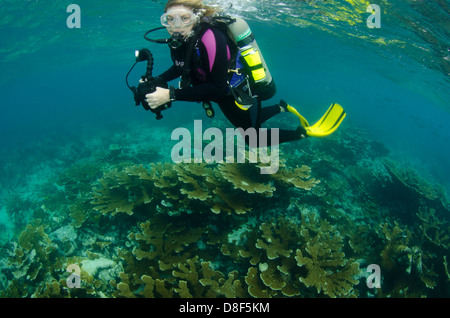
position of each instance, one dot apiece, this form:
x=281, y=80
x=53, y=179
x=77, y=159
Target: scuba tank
x=254, y=64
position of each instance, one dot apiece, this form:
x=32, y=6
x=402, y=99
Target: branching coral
x=230, y=288
x=212, y=283
x=247, y=178
x=33, y=253
x=272, y=252
x=446, y=268
x=176, y=188
x=299, y=177
x=189, y=278
x=433, y=229
x=32, y=260
x=327, y=268
x=318, y=260
x=256, y=288
x=405, y=261
x=121, y=191
x=215, y=230
x=338, y=283
x=397, y=243
x=164, y=243
x=275, y=240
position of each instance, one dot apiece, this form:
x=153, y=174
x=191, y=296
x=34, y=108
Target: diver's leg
x=238, y=117
x=284, y=135
x=255, y=113
x=269, y=111
x=253, y=119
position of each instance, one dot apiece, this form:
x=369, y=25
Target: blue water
x=62, y=87
x=55, y=77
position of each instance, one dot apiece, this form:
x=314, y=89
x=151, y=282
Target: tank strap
x=190, y=51
x=247, y=40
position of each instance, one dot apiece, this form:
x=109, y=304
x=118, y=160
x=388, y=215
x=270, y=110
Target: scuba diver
x=219, y=61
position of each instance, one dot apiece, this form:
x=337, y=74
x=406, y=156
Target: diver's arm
x=172, y=73
x=214, y=55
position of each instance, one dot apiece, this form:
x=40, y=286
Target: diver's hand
x=159, y=97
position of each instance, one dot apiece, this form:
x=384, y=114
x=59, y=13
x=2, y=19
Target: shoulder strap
x=185, y=76
x=220, y=22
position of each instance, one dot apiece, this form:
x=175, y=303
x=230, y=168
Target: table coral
x=412, y=181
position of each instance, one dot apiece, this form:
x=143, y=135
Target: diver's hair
x=195, y=5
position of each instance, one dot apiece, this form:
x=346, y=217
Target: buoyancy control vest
x=249, y=76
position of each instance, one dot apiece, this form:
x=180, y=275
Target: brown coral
x=299, y=177
x=433, y=229
x=121, y=191
x=32, y=255
x=189, y=278
x=177, y=188
x=333, y=276
x=318, y=261
x=247, y=178
x=411, y=180
x=397, y=244
x=165, y=243
x=327, y=269
x=255, y=286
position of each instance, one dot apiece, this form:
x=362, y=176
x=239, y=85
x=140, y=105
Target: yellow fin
x=326, y=125
x=329, y=122
x=303, y=120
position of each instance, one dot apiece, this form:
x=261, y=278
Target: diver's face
x=179, y=19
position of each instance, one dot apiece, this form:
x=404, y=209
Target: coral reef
x=328, y=268
x=277, y=271
x=157, y=229
x=177, y=188
x=120, y=191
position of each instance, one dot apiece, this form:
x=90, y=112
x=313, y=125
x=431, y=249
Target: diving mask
x=178, y=18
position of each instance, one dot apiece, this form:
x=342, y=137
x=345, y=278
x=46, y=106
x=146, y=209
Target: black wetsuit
x=208, y=82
